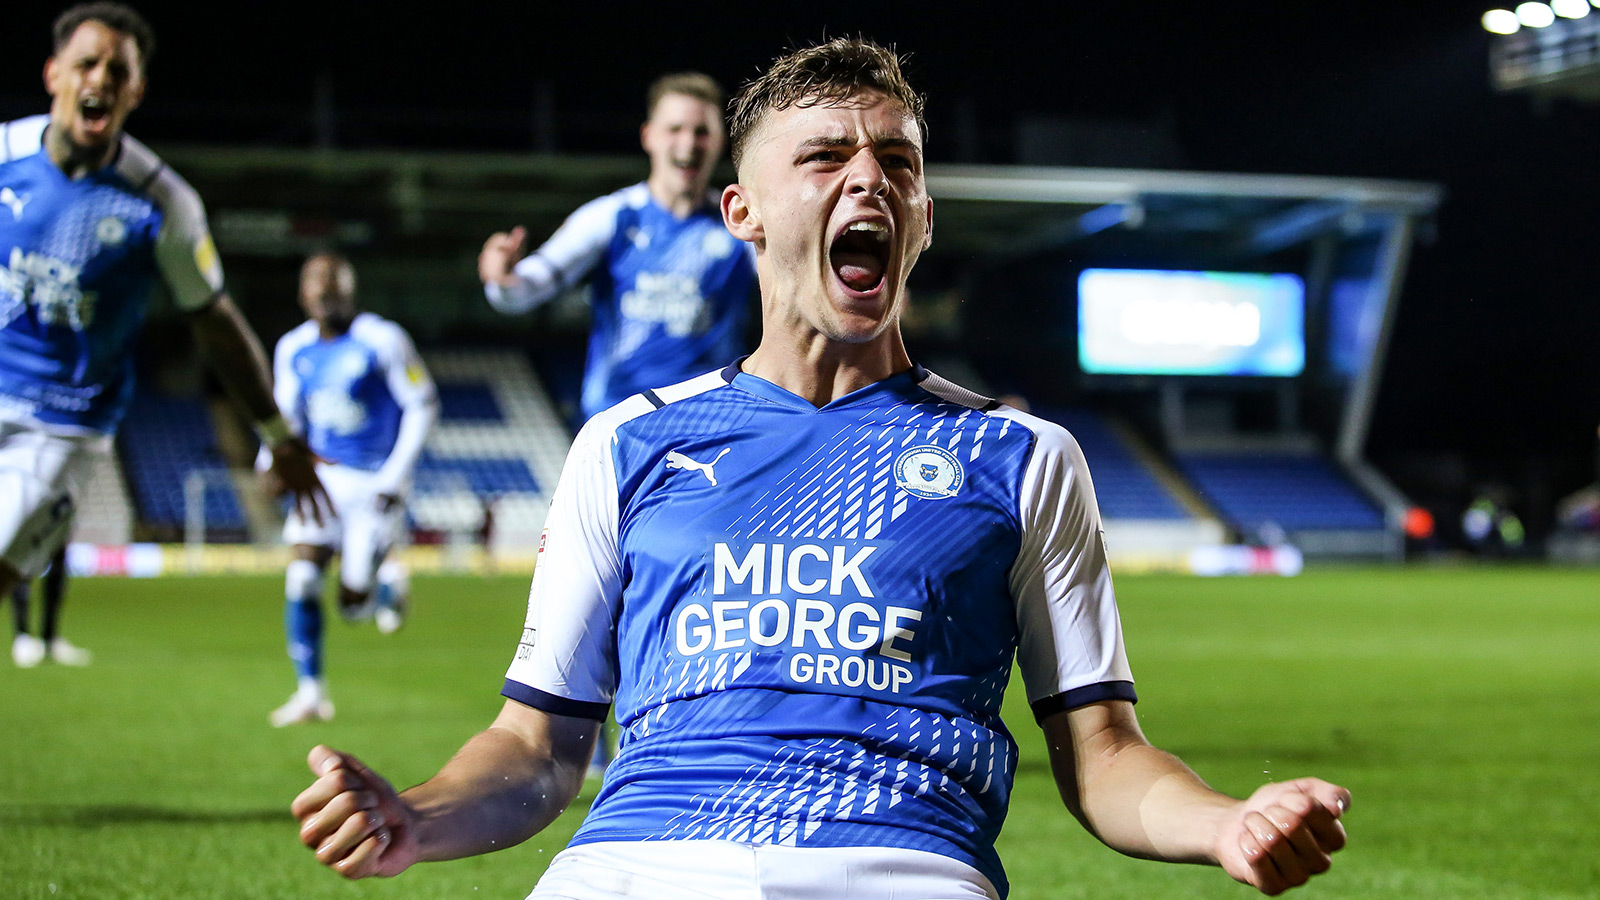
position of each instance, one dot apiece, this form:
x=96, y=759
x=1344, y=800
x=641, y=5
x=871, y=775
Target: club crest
x=929, y=472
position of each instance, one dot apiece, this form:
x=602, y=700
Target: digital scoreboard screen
x=1163, y=322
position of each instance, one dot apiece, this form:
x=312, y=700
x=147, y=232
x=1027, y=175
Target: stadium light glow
x=1501, y=21
x=1570, y=9
x=1535, y=15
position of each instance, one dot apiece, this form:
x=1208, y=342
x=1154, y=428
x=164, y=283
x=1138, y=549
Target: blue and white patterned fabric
x=669, y=295
x=807, y=617
x=77, y=260
x=347, y=394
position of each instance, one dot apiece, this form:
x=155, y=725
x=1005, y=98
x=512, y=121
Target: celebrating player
x=88, y=218
x=803, y=581
x=354, y=385
x=670, y=287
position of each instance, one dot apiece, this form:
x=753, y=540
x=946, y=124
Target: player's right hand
x=352, y=819
x=502, y=251
x=294, y=469
x=1284, y=834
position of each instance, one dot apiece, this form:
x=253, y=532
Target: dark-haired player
x=89, y=219
x=353, y=384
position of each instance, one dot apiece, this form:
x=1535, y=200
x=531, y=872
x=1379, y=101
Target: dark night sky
x=1495, y=353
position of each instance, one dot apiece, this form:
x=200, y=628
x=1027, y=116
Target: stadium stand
x=1296, y=492
x=1124, y=485
x=500, y=442
x=162, y=440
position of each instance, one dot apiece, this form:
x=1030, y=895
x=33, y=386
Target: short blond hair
x=830, y=72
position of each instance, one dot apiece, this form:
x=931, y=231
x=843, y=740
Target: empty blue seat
x=468, y=402
x=1293, y=491
x=1124, y=486
x=160, y=441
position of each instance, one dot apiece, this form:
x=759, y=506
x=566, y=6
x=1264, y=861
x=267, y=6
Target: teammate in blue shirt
x=670, y=288
x=89, y=219
x=802, y=581
x=352, y=383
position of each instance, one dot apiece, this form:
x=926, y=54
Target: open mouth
x=96, y=111
x=859, y=255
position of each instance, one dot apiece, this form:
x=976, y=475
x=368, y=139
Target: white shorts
x=728, y=870
x=360, y=529
x=40, y=474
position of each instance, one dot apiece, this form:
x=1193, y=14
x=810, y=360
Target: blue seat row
x=1123, y=485
x=162, y=439
x=1293, y=491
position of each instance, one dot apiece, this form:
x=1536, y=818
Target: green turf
x=1459, y=706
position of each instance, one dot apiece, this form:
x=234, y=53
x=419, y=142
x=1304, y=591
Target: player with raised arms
x=89, y=218
x=353, y=384
x=803, y=580
x=670, y=289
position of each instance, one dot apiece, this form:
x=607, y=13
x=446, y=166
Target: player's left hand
x=294, y=467
x=1284, y=834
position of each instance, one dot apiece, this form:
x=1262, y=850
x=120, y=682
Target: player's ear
x=50, y=75
x=741, y=218
x=927, y=239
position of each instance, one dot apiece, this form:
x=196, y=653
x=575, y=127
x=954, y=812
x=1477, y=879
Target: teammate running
x=354, y=385
x=89, y=218
x=670, y=288
x=802, y=581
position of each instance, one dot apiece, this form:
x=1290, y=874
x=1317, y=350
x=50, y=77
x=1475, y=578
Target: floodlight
x=1570, y=9
x=1502, y=21
x=1535, y=15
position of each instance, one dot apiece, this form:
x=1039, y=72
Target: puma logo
x=14, y=202
x=676, y=460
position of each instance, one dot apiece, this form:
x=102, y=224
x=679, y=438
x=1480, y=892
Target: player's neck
x=821, y=370
x=679, y=203
x=75, y=161
x=332, y=331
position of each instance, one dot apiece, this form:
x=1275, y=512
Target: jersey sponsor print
x=807, y=617
x=669, y=294
x=348, y=393
x=77, y=260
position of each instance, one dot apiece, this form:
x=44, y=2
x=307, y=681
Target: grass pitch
x=1458, y=705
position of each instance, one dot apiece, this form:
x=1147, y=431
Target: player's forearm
x=232, y=351
x=495, y=793
x=516, y=294
x=1136, y=798
x=1145, y=802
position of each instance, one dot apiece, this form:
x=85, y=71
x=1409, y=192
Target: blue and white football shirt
x=669, y=295
x=807, y=617
x=347, y=394
x=77, y=258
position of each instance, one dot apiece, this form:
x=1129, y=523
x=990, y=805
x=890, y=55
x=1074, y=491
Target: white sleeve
x=285, y=393
x=566, y=661
x=1070, y=636
x=563, y=261
x=414, y=390
x=184, y=251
